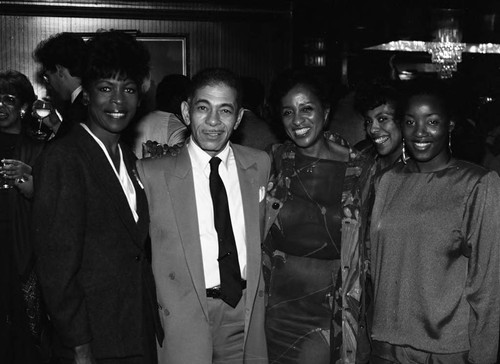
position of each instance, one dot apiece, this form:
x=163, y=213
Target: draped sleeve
x=482, y=226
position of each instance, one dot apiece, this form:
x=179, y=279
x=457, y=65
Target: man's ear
x=61, y=71
x=239, y=118
x=185, y=112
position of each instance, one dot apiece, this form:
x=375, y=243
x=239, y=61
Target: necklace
x=308, y=167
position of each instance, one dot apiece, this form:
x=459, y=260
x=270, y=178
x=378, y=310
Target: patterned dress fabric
x=315, y=218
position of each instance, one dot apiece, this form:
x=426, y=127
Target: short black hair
x=440, y=89
x=65, y=49
x=116, y=54
x=216, y=76
x=375, y=93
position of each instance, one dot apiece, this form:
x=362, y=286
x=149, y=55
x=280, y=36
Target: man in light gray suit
x=206, y=255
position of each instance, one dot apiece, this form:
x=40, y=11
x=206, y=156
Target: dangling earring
x=404, y=156
x=449, y=142
x=22, y=113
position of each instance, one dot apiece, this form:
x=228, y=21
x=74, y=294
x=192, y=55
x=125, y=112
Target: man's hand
x=83, y=355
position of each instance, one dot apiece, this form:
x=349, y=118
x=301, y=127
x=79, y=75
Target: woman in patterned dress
x=314, y=260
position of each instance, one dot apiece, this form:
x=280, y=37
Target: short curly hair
x=303, y=77
x=65, y=49
x=116, y=54
x=375, y=93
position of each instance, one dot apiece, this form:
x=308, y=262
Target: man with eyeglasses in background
x=61, y=60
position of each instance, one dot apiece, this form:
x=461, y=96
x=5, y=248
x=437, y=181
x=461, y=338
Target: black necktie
x=229, y=268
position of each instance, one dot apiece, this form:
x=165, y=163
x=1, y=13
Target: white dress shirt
x=122, y=175
x=208, y=235
x=75, y=93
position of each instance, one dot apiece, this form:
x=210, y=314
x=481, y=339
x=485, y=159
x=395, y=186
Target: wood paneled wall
x=253, y=45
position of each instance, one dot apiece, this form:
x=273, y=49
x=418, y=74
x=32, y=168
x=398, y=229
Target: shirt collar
x=75, y=93
x=202, y=158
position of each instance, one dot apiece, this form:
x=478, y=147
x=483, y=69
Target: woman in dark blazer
x=91, y=219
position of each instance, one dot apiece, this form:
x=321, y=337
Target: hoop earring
x=404, y=156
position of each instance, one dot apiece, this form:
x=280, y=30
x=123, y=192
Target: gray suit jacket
x=177, y=258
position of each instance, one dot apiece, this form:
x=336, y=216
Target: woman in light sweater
x=435, y=249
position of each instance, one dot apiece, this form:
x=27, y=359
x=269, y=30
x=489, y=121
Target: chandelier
x=446, y=49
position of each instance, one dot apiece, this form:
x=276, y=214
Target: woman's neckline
x=412, y=168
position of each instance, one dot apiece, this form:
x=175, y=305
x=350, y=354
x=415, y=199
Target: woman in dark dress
x=315, y=213
x=20, y=321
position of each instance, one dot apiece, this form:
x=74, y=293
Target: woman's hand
x=20, y=172
x=14, y=169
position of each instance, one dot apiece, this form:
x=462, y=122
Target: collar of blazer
x=106, y=180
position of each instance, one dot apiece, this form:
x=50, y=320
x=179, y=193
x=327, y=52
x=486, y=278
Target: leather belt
x=215, y=292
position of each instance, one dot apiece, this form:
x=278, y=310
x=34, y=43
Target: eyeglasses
x=8, y=100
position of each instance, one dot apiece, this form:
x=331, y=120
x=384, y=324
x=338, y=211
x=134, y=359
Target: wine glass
x=5, y=183
x=42, y=109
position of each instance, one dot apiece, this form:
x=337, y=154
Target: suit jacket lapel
x=248, y=178
x=106, y=179
x=180, y=185
x=142, y=225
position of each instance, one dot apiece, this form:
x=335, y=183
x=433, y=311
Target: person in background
x=315, y=215
x=435, y=252
x=206, y=205
x=164, y=125
x=20, y=303
x=90, y=219
x=254, y=131
x=377, y=102
x=61, y=60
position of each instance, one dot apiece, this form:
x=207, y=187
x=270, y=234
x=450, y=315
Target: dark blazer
x=73, y=114
x=95, y=279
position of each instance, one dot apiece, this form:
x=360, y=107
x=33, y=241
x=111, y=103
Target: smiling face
x=304, y=118
x=383, y=130
x=112, y=104
x=212, y=114
x=426, y=126
x=10, y=113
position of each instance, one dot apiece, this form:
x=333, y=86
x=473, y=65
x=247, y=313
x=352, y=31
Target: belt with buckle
x=215, y=291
